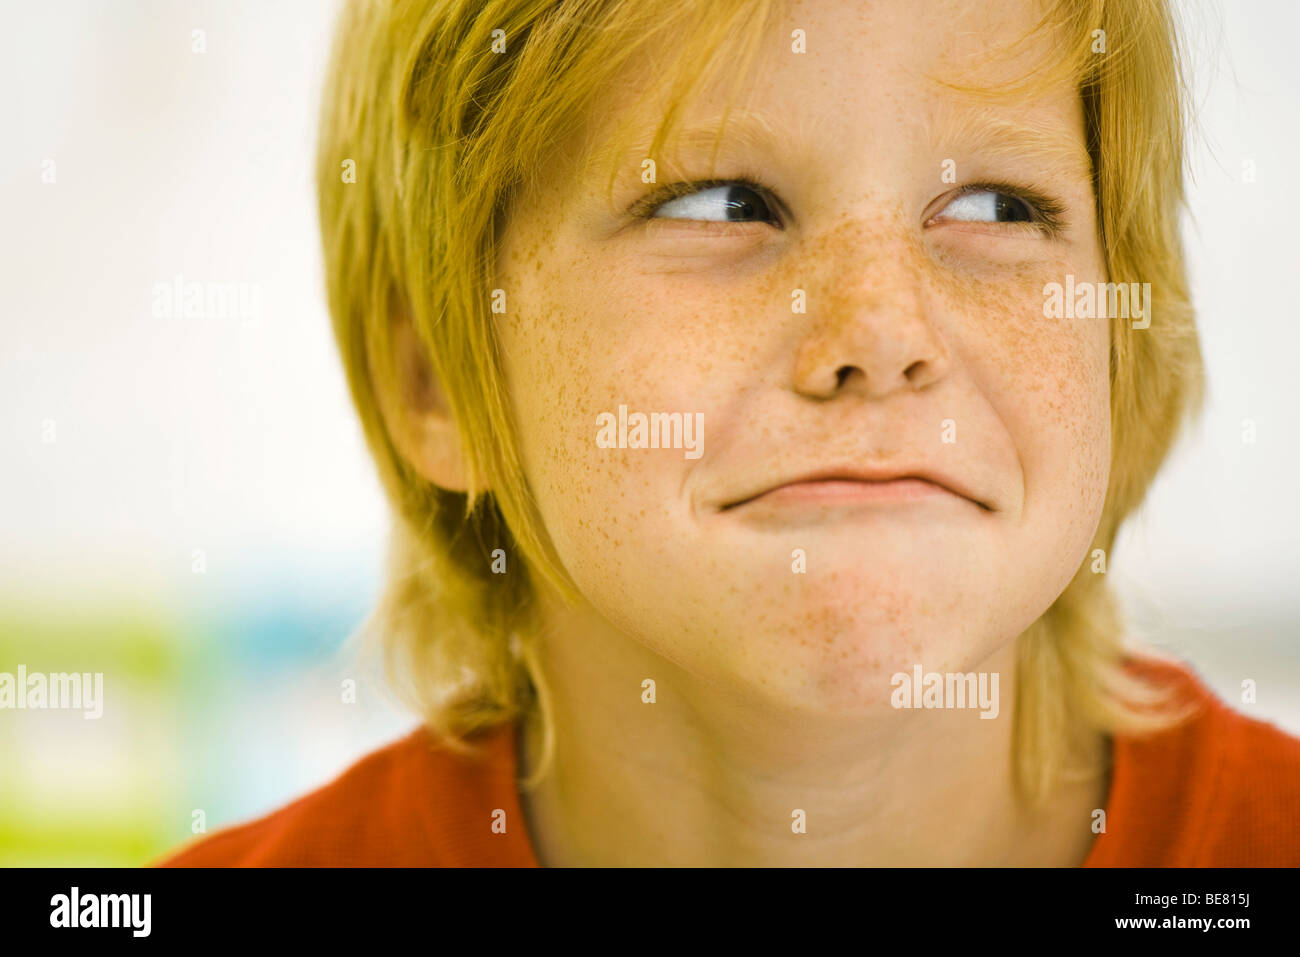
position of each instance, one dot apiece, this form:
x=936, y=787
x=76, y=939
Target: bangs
x=1074, y=42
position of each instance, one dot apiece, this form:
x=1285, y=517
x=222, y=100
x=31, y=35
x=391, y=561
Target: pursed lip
x=866, y=475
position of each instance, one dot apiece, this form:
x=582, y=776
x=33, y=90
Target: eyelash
x=1048, y=214
x=644, y=207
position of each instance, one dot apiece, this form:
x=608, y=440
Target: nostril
x=842, y=374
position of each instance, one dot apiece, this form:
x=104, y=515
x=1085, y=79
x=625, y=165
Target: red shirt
x=1221, y=790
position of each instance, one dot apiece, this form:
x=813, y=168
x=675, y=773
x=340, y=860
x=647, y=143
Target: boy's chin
x=832, y=689
x=874, y=598
x=851, y=670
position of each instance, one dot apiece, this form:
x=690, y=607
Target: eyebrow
x=981, y=131
x=747, y=131
x=986, y=132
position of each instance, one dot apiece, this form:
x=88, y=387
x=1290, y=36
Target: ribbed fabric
x=409, y=804
x=1221, y=789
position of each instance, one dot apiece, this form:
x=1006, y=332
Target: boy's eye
x=988, y=206
x=745, y=201
x=995, y=203
x=726, y=202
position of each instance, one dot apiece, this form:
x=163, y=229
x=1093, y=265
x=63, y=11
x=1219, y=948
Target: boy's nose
x=870, y=334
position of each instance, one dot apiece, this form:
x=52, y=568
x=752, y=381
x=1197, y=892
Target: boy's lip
x=882, y=482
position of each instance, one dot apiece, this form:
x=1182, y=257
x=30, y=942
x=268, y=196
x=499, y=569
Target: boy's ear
x=415, y=408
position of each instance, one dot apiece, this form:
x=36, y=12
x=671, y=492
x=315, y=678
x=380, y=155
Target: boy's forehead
x=863, y=63
x=1039, y=125
x=878, y=68
x=1044, y=131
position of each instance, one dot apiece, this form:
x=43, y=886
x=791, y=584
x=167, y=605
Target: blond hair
x=443, y=132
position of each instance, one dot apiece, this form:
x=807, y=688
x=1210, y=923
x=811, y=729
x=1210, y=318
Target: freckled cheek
x=1047, y=380
x=1064, y=430
x=545, y=385
x=1094, y=432
x=565, y=372
x=1078, y=372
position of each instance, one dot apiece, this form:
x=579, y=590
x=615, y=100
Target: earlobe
x=416, y=411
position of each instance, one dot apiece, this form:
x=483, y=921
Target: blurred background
x=186, y=503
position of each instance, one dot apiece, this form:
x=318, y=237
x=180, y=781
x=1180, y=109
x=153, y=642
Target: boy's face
x=921, y=347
